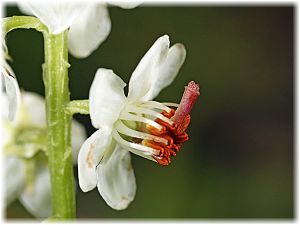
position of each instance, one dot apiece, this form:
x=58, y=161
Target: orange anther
x=175, y=134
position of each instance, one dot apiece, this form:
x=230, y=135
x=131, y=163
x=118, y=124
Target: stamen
x=149, y=112
x=155, y=105
x=139, y=153
x=171, y=104
x=188, y=99
x=131, y=117
x=123, y=129
x=146, y=150
x=175, y=135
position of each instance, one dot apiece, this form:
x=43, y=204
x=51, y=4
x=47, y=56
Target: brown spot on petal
x=125, y=199
x=89, y=158
x=129, y=168
x=29, y=189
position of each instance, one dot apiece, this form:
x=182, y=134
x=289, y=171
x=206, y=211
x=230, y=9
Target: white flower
x=88, y=21
x=12, y=89
x=26, y=171
x=132, y=123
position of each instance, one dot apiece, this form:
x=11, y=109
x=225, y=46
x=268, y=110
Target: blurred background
x=239, y=161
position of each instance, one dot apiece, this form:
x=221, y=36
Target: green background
x=239, y=161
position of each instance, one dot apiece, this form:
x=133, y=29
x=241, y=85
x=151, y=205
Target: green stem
x=25, y=22
x=55, y=75
x=78, y=106
x=59, y=125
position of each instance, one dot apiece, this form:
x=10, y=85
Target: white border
x=1, y=132
x=296, y=123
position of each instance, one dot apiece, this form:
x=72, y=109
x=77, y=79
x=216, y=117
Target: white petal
x=127, y=4
x=6, y=126
x=106, y=98
x=168, y=70
x=78, y=137
x=116, y=180
x=56, y=15
x=143, y=76
x=90, y=154
x=37, y=199
x=4, y=108
x=12, y=90
x=14, y=178
x=156, y=70
x=89, y=30
x=33, y=109
x=24, y=7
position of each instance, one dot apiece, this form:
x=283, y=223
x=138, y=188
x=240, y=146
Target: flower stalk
x=24, y=22
x=78, y=106
x=55, y=76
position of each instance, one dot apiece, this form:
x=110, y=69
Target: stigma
x=159, y=128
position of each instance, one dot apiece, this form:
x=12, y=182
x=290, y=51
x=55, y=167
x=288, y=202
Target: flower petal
x=24, y=7
x=33, y=109
x=89, y=30
x=116, y=180
x=142, y=78
x=14, y=178
x=12, y=90
x=156, y=70
x=106, y=98
x=4, y=112
x=126, y=4
x=168, y=70
x=78, y=137
x=56, y=15
x=37, y=198
x=90, y=154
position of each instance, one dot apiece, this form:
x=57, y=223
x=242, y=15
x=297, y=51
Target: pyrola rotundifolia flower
x=88, y=21
x=134, y=123
x=24, y=144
